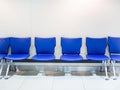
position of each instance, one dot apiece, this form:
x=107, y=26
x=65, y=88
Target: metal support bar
x=67, y=70
x=1, y=68
x=42, y=71
x=113, y=67
x=61, y=68
x=6, y=75
x=67, y=66
x=58, y=64
x=105, y=65
x=102, y=67
x=17, y=69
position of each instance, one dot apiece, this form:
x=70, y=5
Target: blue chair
x=96, y=48
x=19, y=50
x=114, y=51
x=45, y=48
x=4, y=47
x=71, y=49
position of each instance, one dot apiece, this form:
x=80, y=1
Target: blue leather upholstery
x=16, y=57
x=114, y=48
x=2, y=56
x=45, y=45
x=4, y=47
x=96, y=48
x=45, y=48
x=97, y=57
x=115, y=57
x=20, y=45
x=19, y=48
x=71, y=57
x=114, y=44
x=71, y=49
x=44, y=57
x=71, y=45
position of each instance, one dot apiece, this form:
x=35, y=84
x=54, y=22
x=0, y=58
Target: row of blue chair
x=45, y=47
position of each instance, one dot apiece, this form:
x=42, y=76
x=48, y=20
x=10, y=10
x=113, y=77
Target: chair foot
x=67, y=74
x=94, y=73
x=41, y=74
x=6, y=77
x=17, y=69
x=1, y=77
x=106, y=78
x=114, y=78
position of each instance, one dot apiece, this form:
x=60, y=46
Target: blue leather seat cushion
x=44, y=57
x=71, y=57
x=17, y=56
x=97, y=57
x=2, y=56
x=115, y=57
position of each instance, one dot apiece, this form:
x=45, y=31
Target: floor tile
x=18, y=82
x=67, y=82
x=37, y=83
x=10, y=84
x=98, y=83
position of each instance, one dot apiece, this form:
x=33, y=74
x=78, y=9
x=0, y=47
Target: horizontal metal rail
x=59, y=64
x=83, y=63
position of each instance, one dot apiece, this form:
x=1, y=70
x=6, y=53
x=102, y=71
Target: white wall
x=69, y=18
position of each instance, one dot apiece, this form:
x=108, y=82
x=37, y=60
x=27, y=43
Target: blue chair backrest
x=45, y=45
x=4, y=45
x=71, y=45
x=114, y=44
x=20, y=45
x=96, y=46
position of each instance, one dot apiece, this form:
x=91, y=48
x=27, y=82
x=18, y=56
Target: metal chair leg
x=102, y=67
x=1, y=68
x=67, y=71
x=17, y=69
x=42, y=71
x=9, y=63
x=113, y=67
x=61, y=68
x=105, y=65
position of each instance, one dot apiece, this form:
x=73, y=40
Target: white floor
x=17, y=82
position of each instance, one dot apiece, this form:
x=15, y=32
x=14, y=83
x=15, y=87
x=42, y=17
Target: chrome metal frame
x=8, y=66
x=113, y=67
x=65, y=65
x=106, y=71
x=1, y=68
x=58, y=64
